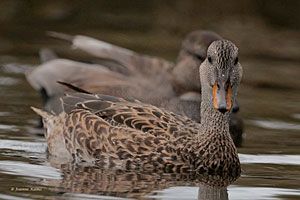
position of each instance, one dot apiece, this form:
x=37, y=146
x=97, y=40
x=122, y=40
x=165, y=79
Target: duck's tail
x=54, y=134
x=45, y=115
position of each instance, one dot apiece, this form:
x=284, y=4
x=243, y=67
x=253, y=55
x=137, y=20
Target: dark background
x=267, y=28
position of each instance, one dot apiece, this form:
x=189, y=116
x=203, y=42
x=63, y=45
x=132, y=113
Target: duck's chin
x=222, y=112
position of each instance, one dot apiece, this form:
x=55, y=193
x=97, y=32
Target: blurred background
x=267, y=33
x=153, y=27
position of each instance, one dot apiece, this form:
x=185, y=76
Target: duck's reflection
x=132, y=184
x=212, y=193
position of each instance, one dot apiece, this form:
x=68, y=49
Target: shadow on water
x=268, y=39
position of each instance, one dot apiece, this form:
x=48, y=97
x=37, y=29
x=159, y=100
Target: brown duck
x=130, y=75
x=114, y=133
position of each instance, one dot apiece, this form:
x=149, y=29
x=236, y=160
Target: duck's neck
x=212, y=154
x=213, y=121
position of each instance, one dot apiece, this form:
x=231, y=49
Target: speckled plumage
x=114, y=133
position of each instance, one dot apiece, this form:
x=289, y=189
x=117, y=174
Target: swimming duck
x=192, y=53
x=115, y=133
x=128, y=74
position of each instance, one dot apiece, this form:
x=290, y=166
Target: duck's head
x=196, y=43
x=192, y=53
x=220, y=75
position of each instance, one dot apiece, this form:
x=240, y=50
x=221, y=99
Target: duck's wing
x=115, y=132
x=130, y=62
x=132, y=114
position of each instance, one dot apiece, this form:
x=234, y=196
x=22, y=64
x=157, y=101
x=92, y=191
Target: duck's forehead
x=224, y=52
x=223, y=49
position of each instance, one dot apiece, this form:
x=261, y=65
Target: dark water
x=269, y=97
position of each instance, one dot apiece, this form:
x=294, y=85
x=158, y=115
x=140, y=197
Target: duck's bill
x=222, y=96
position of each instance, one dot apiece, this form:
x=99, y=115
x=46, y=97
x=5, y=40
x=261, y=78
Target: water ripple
x=7, y=81
x=275, y=124
x=35, y=147
x=270, y=159
x=78, y=196
x=235, y=193
x=29, y=170
x=9, y=127
x=4, y=114
x=9, y=197
x=296, y=116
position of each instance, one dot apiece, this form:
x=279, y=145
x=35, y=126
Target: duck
x=112, y=132
x=192, y=53
x=128, y=74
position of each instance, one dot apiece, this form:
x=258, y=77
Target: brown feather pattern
x=111, y=132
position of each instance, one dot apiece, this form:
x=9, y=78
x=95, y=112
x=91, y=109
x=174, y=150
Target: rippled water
x=270, y=105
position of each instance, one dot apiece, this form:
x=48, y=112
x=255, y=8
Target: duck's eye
x=209, y=59
x=236, y=60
